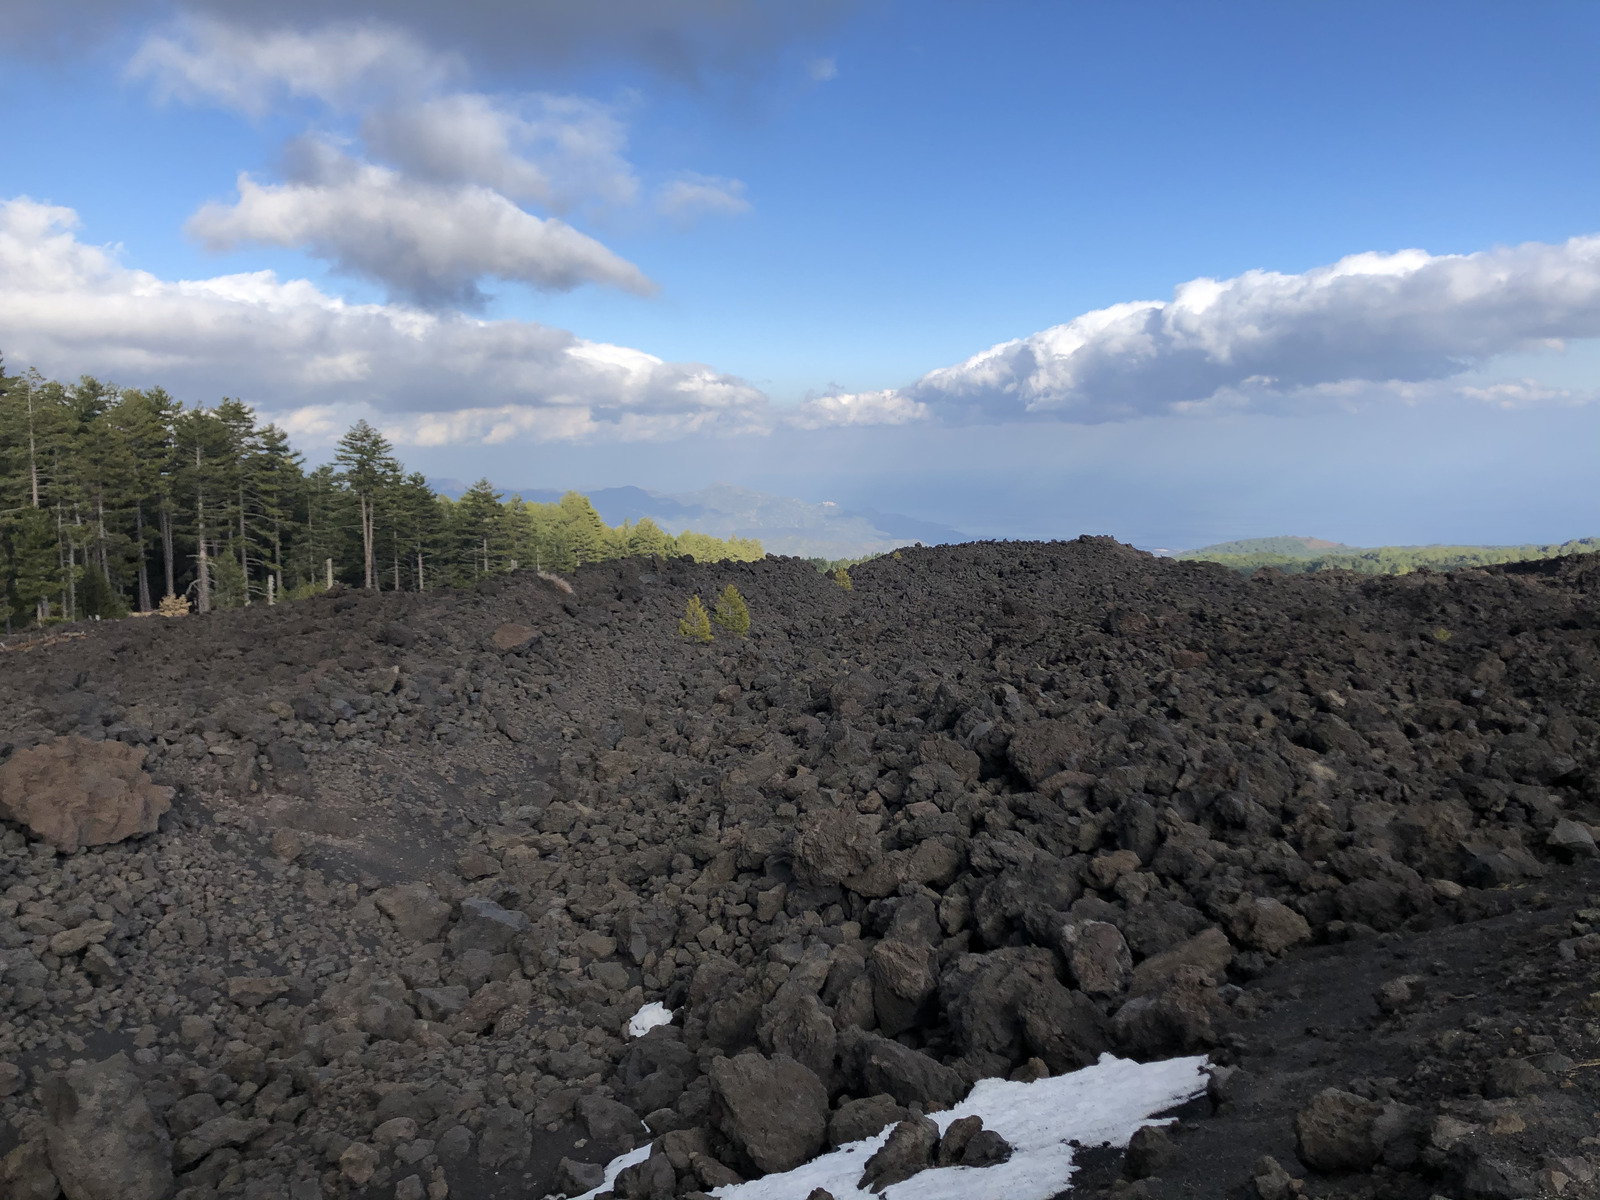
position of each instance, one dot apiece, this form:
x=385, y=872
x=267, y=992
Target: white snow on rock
x=1098, y=1106
x=1102, y=1105
x=647, y=1018
x=614, y=1168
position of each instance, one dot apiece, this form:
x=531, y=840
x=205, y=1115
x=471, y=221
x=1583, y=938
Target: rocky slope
x=994, y=811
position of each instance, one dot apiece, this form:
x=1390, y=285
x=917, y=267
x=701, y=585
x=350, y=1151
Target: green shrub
x=732, y=612
x=841, y=576
x=696, y=623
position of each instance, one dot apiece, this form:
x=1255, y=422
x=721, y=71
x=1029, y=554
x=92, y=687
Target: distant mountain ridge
x=783, y=525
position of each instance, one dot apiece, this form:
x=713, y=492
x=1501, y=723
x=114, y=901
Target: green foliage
x=111, y=499
x=1396, y=560
x=732, y=613
x=696, y=622
x=97, y=598
x=841, y=576
x=228, y=584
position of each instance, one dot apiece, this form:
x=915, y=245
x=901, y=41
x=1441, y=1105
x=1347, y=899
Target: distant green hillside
x=1250, y=556
x=1287, y=547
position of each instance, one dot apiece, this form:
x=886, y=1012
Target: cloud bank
x=1263, y=339
x=431, y=378
x=1394, y=329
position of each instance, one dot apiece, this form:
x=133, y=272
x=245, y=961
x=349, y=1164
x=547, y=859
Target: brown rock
x=25, y=1173
x=105, y=1144
x=1334, y=1132
x=73, y=792
x=910, y=1149
x=774, y=1110
x=251, y=992
x=1208, y=950
x=511, y=636
x=1098, y=957
x=1265, y=924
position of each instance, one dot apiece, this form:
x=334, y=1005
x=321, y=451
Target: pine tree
x=480, y=530
x=370, y=470
x=732, y=612
x=585, y=531
x=696, y=622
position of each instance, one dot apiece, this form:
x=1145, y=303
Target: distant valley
x=783, y=525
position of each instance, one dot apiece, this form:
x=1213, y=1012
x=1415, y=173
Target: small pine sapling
x=696, y=623
x=841, y=576
x=732, y=612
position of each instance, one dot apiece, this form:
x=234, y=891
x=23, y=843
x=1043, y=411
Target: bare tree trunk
x=200, y=538
x=277, y=553
x=272, y=597
x=330, y=573
x=166, y=546
x=100, y=517
x=244, y=549
x=421, y=585
x=33, y=456
x=144, y=566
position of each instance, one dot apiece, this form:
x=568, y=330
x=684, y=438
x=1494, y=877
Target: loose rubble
x=994, y=812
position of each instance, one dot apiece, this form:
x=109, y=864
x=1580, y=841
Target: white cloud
x=693, y=195
x=68, y=307
x=558, y=151
x=859, y=408
x=1369, y=326
x=822, y=70
x=427, y=242
x=437, y=201
x=250, y=69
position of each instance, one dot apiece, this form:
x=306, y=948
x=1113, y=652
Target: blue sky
x=797, y=212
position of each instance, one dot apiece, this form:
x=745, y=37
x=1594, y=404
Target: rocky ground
x=993, y=811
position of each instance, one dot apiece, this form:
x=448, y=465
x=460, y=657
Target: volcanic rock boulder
x=864, y=1118
x=105, y=1143
x=876, y=1065
x=1007, y=1005
x=773, y=1110
x=25, y=1173
x=911, y=1148
x=1334, y=1132
x=73, y=792
x=416, y=912
x=831, y=847
x=1098, y=957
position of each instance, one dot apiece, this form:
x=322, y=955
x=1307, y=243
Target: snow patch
x=1100, y=1105
x=614, y=1168
x=647, y=1018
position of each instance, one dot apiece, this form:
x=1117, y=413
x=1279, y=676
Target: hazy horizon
x=1176, y=275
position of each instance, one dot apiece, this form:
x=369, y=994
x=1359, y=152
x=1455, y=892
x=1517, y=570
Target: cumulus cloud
x=286, y=346
x=427, y=242
x=249, y=69
x=692, y=195
x=858, y=408
x=557, y=151
x=1367, y=325
x=436, y=201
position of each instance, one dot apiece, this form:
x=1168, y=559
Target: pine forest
x=114, y=500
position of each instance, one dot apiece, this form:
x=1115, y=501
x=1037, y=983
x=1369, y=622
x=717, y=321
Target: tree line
x=113, y=498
